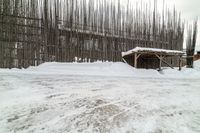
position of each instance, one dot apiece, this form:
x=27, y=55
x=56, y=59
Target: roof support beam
x=135, y=60
x=160, y=57
x=168, y=64
x=136, y=56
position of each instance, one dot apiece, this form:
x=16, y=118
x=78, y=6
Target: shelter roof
x=152, y=50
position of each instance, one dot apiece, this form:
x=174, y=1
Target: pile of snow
x=184, y=73
x=110, y=69
x=93, y=69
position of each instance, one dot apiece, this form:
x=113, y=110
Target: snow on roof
x=143, y=49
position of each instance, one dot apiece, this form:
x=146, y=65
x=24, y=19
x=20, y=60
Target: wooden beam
x=180, y=63
x=168, y=64
x=160, y=64
x=124, y=60
x=135, y=60
x=161, y=58
x=139, y=55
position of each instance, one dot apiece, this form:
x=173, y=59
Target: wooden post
x=160, y=65
x=180, y=63
x=57, y=53
x=161, y=58
x=135, y=60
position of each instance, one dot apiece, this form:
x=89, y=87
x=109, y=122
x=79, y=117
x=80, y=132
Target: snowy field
x=99, y=97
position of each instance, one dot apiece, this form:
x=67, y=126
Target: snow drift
x=111, y=69
x=99, y=98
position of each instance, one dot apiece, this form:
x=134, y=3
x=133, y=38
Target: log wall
x=37, y=31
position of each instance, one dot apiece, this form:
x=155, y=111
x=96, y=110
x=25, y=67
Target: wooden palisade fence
x=37, y=31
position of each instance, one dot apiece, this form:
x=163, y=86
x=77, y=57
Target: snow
x=99, y=97
x=90, y=69
x=144, y=49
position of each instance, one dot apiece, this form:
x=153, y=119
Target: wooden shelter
x=151, y=58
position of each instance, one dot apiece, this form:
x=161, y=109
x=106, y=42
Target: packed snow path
x=59, y=103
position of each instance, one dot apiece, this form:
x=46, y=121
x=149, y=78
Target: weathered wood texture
x=37, y=31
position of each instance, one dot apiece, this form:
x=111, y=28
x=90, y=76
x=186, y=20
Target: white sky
x=190, y=10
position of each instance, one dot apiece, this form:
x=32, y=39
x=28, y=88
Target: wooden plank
x=21, y=25
x=21, y=17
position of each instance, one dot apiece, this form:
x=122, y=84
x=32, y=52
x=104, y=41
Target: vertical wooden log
x=160, y=64
x=57, y=45
x=1, y=43
x=135, y=60
x=180, y=63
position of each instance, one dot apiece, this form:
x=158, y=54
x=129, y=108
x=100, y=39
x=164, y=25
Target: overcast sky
x=190, y=10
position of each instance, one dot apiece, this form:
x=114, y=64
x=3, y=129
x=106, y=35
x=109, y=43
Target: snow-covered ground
x=99, y=97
